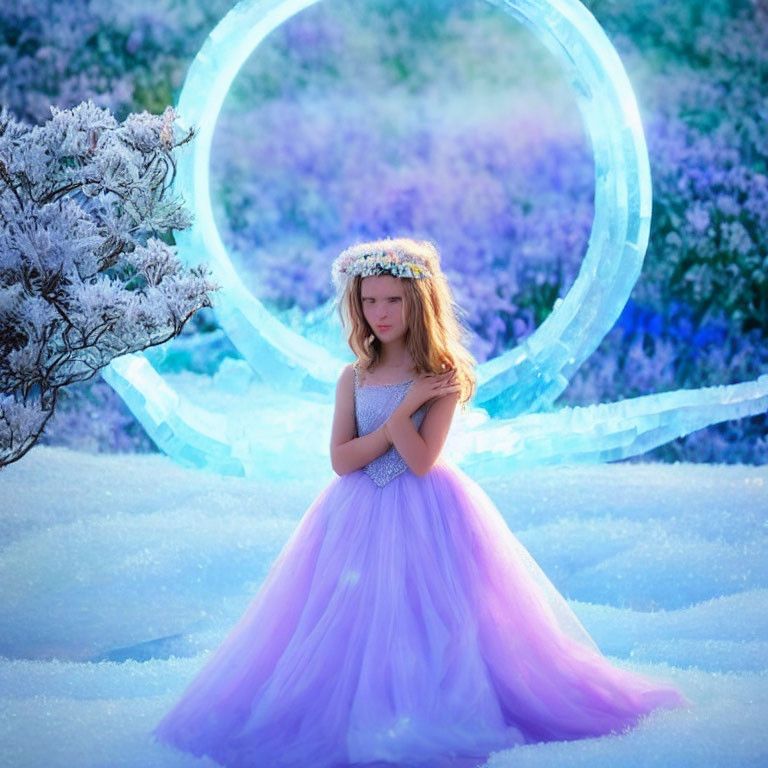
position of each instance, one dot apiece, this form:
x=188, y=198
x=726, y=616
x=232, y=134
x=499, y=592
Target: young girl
x=402, y=624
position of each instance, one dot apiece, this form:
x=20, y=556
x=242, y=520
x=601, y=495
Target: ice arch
x=525, y=379
x=539, y=368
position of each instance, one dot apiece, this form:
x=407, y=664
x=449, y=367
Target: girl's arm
x=348, y=452
x=421, y=448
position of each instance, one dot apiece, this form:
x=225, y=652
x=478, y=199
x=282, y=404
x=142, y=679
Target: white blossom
x=84, y=276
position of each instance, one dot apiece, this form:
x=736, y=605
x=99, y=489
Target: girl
x=402, y=624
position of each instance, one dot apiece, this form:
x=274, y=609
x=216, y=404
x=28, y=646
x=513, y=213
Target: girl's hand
x=427, y=387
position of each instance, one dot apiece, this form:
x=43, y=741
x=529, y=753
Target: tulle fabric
x=403, y=626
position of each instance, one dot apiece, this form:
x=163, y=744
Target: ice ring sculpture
x=517, y=387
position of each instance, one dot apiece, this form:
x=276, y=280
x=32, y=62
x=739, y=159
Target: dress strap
x=356, y=380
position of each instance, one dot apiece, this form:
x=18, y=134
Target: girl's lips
x=383, y=327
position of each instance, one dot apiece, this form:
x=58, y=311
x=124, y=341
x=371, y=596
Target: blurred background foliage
x=449, y=121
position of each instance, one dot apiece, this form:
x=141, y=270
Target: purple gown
x=402, y=624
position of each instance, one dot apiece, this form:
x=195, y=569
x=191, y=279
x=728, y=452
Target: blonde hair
x=435, y=338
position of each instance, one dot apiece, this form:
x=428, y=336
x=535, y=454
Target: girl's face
x=384, y=306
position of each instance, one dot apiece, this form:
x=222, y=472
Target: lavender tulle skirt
x=403, y=626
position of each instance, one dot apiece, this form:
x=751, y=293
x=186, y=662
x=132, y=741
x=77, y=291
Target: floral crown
x=378, y=258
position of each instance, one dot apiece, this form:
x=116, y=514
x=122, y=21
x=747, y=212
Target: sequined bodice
x=373, y=406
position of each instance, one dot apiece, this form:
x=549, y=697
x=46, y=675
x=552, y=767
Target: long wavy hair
x=435, y=337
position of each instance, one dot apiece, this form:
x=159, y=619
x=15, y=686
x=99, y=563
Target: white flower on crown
x=360, y=260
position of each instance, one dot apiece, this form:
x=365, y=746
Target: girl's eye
x=391, y=298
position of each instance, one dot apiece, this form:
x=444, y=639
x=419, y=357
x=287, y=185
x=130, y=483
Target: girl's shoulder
x=358, y=371
x=347, y=377
x=355, y=372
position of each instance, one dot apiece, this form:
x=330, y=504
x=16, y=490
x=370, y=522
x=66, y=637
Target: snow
x=120, y=574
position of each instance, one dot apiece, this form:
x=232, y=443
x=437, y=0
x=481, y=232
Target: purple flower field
x=450, y=122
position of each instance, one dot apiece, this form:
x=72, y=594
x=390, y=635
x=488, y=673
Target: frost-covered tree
x=88, y=270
